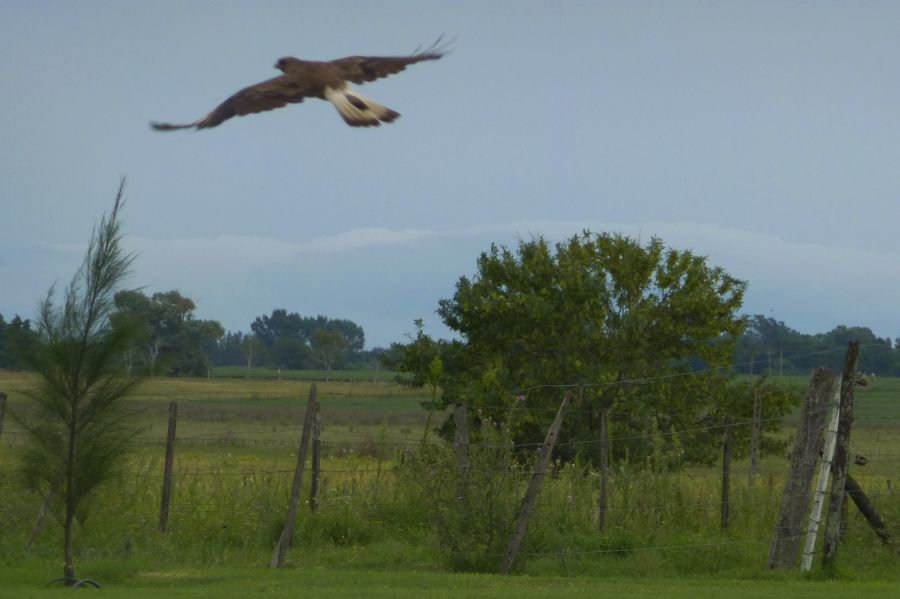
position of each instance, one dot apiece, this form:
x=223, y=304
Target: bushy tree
x=15, y=333
x=288, y=338
x=328, y=347
x=76, y=433
x=606, y=315
x=170, y=339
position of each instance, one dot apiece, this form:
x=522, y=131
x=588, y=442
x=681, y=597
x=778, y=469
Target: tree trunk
x=71, y=500
x=68, y=557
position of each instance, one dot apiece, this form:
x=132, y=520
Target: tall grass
x=388, y=502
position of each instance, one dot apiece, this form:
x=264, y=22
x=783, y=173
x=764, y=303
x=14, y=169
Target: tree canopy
x=170, y=339
x=290, y=340
x=603, y=315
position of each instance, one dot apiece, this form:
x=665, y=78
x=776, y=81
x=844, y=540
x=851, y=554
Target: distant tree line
x=288, y=340
x=173, y=342
x=769, y=346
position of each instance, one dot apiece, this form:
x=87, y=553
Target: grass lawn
x=225, y=583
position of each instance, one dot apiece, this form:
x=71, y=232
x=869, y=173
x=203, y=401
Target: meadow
x=389, y=523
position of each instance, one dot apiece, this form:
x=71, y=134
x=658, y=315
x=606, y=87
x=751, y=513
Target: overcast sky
x=764, y=135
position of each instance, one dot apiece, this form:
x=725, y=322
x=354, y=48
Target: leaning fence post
x=841, y=463
x=2, y=410
x=726, y=474
x=534, y=487
x=167, y=469
x=39, y=522
x=815, y=512
x=287, y=533
x=316, y=461
x=794, y=499
x=461, y=447
x=603, y=498
x=865, y=507
x=755, y=438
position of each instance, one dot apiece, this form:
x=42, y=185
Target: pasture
x=385, y=525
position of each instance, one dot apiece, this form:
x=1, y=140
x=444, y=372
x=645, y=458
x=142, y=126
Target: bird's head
x=285, y=63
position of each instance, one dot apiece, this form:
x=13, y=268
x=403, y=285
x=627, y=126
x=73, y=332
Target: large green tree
x=15, y=333
x=171, y=340
x=76, y=436
x=329, y=347
x=605, y=317
x=288, y=338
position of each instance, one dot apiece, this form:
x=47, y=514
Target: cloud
x=360, y=238
x=381, y=276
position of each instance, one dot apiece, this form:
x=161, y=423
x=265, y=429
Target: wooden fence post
x=167, y=469
x=603, y=498
x=868, y=511
x=284, y=541
x=840, y=466
x=534, y=487
x=316, y=461
x=461, y=447
x=38, y=522
x=726, y=474
x=807, y=443
x=815, y=512
x=755, y=438
x=2, y=410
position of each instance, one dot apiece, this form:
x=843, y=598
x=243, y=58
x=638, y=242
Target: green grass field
x=378, y=531
x=268, y=373
x=339, y=583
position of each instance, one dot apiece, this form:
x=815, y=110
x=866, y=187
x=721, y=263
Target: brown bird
x=312, y=79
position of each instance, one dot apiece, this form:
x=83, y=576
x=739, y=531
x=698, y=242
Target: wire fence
x=369, y=471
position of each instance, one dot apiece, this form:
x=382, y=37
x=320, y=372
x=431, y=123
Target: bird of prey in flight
x=312, y=79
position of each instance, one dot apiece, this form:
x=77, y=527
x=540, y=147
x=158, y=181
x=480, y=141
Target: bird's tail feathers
x=359, y=111
x=170, y=127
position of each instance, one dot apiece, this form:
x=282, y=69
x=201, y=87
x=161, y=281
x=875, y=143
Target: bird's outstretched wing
x=359, y=69
x=268, y=95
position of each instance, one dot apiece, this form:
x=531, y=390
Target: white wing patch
x=357, y=110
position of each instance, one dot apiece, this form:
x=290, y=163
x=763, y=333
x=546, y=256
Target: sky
x=764, y=135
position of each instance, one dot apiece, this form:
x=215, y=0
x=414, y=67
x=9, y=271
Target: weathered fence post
x=534, y=487
x=2, y=410
x=603, y=498
x=807, y=442
x=167, y=469
x=840, y=466
x=287, y=533
x=38, y=522
x=868, y=511
x=815, y=512
x=755, y=438
x=726, y=474
x=461, y=447
x=316, y=461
